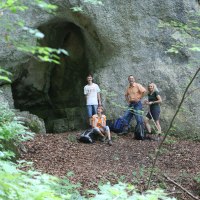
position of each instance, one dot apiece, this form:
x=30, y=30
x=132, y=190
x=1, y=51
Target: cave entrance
x=55, y=92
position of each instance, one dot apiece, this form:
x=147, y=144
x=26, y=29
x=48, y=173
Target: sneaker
x=150, y=138
x=110, y=142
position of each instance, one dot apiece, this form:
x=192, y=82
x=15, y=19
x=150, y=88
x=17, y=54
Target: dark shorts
x=154, y=112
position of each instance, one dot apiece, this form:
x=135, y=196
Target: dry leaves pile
x=127, y=160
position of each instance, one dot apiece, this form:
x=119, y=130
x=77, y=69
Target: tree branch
x=170, y=126
x=189, y=193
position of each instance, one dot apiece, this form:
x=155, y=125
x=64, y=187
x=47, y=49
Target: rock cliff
x=112, y=41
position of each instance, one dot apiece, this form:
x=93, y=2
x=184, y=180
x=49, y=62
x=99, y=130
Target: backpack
x=139, y=132
x=118, y=125
x=87, y=136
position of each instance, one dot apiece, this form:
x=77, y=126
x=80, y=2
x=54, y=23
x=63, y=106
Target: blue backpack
x=118, y=125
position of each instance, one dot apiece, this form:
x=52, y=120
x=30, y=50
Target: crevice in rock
x=55, y=92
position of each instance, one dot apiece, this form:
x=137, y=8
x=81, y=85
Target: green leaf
x=94, y=2
x=77, y=9
x=5, y=78
x=64, y=51
x=39, y=35
x=195, y=49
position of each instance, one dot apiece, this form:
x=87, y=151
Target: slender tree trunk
x=170, y=126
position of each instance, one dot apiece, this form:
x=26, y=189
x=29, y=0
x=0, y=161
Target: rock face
x=33, y=122
x=111, y=41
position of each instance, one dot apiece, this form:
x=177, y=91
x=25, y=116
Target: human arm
x=103, y=121
x=94, y=122
x=85, y=92
x=142, y=90
x=98, y=95
x=127, y=96
x=99, y=98
x=127, y=99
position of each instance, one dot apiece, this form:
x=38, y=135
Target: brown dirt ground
x=127, y=160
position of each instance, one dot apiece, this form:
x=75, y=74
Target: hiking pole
x=158, y=132
x=153, y=120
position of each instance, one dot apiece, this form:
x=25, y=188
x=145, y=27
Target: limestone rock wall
x=120, y=38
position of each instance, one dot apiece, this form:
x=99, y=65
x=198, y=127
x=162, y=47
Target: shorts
x=103, y=129
x=155, y=112
x=91, y=110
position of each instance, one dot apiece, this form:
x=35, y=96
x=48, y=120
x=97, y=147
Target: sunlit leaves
x=35, y=32
x=11, y=128
x=45, y=6
x=19, y=185
x=195, y=48
x=173, y=50
x=4, y=75
x=24, y=44
x=93, y=2
x=80, y=9
x=5, y=78
x=12, y=5
x=46, y=54
x=124, y=191
x=183, y=33
x=77, y=9
x=6, y=155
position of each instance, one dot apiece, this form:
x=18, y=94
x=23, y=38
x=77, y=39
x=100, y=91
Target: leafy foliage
x=11, y=127
x=51, y=8
x=183, y=33
x=125, y=191
x=4, y=75
x=45, y=54
x=81, y=9
x=12, y=5
x=19, y=185
x=24, y=44
x=12, y=132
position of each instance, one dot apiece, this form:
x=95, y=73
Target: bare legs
x=108, y=134
x=90, y=121
x=146, y=121
x=104, y=132
x=157, y=124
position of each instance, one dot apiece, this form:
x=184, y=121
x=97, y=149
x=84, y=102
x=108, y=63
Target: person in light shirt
x=93, y=98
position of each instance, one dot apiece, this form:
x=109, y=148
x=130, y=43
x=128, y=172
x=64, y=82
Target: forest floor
x=127, y=160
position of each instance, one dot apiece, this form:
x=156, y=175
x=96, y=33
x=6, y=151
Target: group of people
x=133, y=95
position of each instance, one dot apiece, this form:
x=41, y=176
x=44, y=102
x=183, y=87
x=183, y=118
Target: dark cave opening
x=55, y=92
